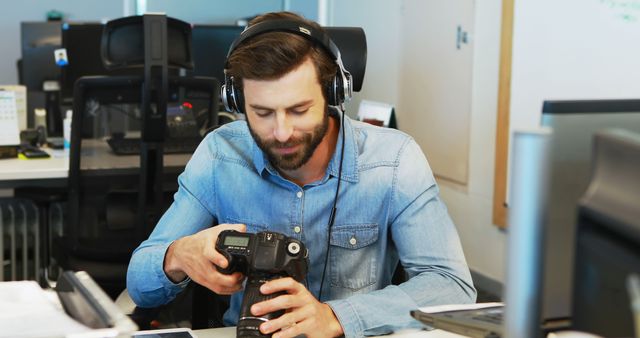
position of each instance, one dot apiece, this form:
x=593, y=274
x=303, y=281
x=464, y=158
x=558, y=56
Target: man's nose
x=283, y=128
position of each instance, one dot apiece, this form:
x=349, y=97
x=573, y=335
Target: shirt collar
x=350, y=161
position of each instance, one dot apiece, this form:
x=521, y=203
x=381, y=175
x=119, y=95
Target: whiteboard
x=572, y=49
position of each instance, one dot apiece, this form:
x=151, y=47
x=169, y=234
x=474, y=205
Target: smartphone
x=29, y=152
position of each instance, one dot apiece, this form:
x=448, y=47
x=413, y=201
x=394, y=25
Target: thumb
x=218, y=258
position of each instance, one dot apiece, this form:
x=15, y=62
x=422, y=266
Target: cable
x=332, y=216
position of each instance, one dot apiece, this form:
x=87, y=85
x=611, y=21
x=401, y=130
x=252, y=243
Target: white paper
x=21, y=103
x=27, y=311
x=458, y=307
x=370, y=111
x=9, y=124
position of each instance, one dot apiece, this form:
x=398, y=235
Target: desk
x=53, y=171
x=230, y=332
x=96, y=155
x=36, y=174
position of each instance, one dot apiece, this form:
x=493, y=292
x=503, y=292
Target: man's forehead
x=297, y=86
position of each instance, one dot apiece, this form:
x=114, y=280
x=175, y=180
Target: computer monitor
x=608, y=237
x=83, y=42
x=210, y=46
x=573, y=123
x=39, y=40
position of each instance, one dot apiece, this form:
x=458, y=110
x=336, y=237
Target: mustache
x=289, y=143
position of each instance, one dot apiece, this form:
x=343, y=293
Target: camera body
x=261, y=257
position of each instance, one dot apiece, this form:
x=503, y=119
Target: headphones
x=339, y=90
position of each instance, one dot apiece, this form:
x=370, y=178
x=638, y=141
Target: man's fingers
x=284, y=322
x=222, y=290
x=217, y=258
x=227, y=280
x=287, y=284
x=282, y=302
x=223, y=284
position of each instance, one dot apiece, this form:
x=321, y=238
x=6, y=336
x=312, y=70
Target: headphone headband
x=288, y=26
x=339, y=91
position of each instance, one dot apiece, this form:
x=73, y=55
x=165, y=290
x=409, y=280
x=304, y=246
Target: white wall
x=470, y=206
x=380, y=20
x=572, y=50
x=227, y=12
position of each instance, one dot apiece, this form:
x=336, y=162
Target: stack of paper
x=28, y=311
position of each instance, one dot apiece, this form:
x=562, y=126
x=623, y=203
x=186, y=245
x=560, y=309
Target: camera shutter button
x=293, y=248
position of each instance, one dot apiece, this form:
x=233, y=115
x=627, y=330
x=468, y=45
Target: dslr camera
x=261, y=257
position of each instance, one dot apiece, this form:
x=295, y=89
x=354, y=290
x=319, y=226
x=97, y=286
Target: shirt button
x=353, y=241
x=297, y=229
x=299, y=194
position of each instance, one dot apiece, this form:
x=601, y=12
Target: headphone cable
x=332, y=216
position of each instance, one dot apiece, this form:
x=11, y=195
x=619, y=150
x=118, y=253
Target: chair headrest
x=352, y=43
x=123, y=44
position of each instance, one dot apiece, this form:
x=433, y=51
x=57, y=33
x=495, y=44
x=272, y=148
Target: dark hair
x=272, y=55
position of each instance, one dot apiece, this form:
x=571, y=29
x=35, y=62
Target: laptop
x=477, y=323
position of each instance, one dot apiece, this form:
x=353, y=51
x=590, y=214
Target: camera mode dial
x=293, y=248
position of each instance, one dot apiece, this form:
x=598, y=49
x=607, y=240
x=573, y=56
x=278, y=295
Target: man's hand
x=304, y=313
x=196, y=256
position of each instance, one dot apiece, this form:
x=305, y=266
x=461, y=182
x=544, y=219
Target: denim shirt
x=388, y=211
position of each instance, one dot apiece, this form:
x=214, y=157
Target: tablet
x=165, y=333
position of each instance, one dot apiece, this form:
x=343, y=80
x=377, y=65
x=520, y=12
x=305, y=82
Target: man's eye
x=300, y=111
x=263, y=113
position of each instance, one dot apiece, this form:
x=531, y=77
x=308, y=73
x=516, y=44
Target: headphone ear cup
x=334, y=90
x=225, y=95
x=231, y=96
x=239, y=99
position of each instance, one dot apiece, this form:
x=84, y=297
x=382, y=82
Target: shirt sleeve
x=190, y=212
x=430, y=252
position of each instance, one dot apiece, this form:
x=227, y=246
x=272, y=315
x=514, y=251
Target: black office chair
x=104, y=223
x=115, y=201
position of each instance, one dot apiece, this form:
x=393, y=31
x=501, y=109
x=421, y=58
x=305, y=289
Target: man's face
x=287, y=117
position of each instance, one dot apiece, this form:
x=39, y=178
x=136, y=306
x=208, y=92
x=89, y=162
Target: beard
x=297, y=159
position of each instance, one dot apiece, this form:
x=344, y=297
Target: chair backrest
x=114, y=200
x=104, y=188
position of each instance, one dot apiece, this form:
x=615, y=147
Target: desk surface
x=230, y=332
x=55, y=167
x=96, y=155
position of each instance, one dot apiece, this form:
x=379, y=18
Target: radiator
x=20, y=240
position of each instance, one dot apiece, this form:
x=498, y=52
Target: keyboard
x=131, y=146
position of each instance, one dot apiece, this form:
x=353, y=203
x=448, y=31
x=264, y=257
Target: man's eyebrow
x=297, y=105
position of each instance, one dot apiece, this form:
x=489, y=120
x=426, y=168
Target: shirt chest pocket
x=353, y=255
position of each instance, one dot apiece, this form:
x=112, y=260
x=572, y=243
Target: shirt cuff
x=348, y=318
x=157, y=259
